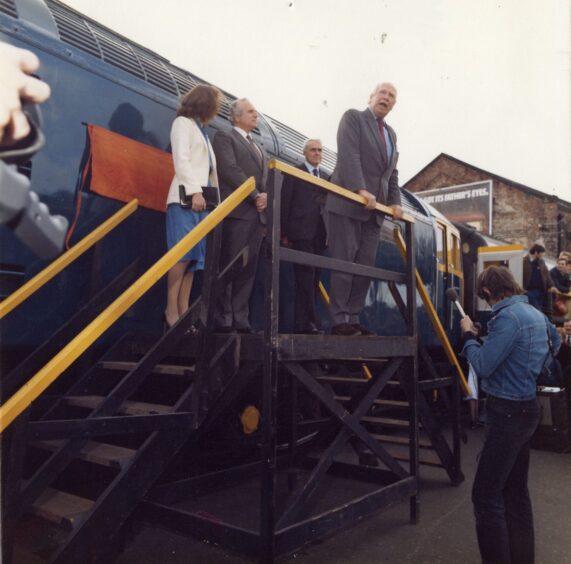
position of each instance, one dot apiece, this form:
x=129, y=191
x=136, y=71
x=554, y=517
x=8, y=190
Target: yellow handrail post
x=433, y=315
x=54, y=268
x=44, y=377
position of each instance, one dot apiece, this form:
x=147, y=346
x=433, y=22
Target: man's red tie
x=383, y=140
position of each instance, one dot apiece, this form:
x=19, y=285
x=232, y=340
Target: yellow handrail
x=330, y=187
x=433, y=315
x=50, y=372
x=54, y=268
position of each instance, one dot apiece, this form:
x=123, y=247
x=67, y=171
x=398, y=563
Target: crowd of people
x=549, y=291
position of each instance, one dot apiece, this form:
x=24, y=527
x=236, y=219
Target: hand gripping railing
x=334, y=188
x=54, y=268
x=51, y=371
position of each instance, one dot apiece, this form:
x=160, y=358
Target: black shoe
x=345, y=330
x=363, y=330
x=244, y=330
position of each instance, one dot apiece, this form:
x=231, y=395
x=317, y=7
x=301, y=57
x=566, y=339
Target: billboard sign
x=465, y=203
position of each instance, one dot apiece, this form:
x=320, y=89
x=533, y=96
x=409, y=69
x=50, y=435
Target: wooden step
x=62, y=508
x=404, y=441
x=342, y=380
x=386, y=422
x=99, y=453
x=126, y=408
x=383, y=402
x=424, y=458
x=171, y=369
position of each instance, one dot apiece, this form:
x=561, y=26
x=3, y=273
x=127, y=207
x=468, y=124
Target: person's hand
x=467, y=326
x=198, y=202
x=397, y=212
x=285, y=241
x=16, y=87
x=371, y=200
x=261, y=202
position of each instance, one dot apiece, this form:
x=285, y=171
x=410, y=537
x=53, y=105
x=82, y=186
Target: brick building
x=520, y=214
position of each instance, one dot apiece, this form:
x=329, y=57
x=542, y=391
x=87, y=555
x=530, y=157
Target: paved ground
x=445, y=534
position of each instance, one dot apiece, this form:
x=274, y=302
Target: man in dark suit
x=238, y=157
x=366, y=164
x=537, y=281
x=303, y=228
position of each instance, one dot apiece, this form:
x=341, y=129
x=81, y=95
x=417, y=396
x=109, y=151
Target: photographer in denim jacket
x=508, y=363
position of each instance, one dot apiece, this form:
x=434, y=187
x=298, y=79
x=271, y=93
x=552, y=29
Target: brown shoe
x=345, y=330
x=363, y=330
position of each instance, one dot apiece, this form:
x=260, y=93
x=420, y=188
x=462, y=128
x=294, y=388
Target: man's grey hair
x=236, y=108
x=378, y=86
x=308, y=141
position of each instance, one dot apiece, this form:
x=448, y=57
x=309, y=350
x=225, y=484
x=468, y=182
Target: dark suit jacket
x=301, y=206
x=362, y=164
x=236, y=161
x=545, y=277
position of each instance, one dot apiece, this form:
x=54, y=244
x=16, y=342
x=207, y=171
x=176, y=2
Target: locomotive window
x=488, y=263
x=440, y=244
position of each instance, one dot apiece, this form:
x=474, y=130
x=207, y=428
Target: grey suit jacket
x=236, y=161
x=362, y=164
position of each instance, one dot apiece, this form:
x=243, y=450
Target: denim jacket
x=516, y=350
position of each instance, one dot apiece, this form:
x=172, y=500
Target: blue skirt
x=180, y=221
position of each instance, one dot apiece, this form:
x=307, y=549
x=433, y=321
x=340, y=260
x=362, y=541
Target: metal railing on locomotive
x=73, y=350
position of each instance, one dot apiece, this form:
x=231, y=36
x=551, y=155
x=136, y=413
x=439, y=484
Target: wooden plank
x=383, y=402
x=396, y=440
x=62, y=508
x=99, y=453
x=334, y=347
x=127, y=407
x=171, y=369
x=386, y=421
x=342, y=380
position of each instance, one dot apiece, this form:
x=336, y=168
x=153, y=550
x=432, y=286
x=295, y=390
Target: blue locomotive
x=99, y=77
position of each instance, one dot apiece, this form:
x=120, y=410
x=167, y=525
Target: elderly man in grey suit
x=238, y=157
x=366, y=164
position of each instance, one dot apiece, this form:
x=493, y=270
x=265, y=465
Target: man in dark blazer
x=537, y=281
x=238, y=157
x=366, y=164
x=303, y=228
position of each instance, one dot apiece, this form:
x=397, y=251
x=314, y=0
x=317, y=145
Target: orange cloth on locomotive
x=124, y=169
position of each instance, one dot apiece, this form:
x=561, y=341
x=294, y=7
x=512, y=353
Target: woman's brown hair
x=201, y=103
x=499, y=283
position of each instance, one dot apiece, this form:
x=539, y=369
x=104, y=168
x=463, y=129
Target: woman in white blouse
x=194, y=167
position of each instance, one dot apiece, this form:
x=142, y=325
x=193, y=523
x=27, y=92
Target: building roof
x=528, y=189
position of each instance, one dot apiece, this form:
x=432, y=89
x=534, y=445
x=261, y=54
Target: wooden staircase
x=388, y=418
x=91, y=453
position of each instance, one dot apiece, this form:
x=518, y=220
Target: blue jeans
x=502, y=506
